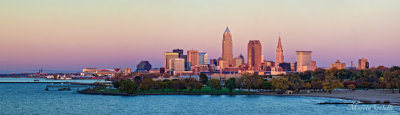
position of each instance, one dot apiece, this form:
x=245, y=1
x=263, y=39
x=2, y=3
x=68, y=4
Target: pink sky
x=71, y=35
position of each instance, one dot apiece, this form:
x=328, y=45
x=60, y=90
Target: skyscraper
x=179, y=51
x=177, y=64
x=304, y=60
x=193, y=57
x=187, y=63
x=167, y=57
x=254, y=54
x=203, y=57
x=279, y=53
x=363, y=63
x=238, y=61
x=227, y=54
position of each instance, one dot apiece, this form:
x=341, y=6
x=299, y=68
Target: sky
x=68, y=35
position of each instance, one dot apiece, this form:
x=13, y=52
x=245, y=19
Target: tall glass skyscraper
x=203, y=57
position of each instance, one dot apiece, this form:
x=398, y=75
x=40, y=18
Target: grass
x=109, y=90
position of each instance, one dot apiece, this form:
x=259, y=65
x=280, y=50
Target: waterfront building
x=214, y=62
x=106, y=72
x=203, y=57
x=279, y=52
x=179, y=51
x=127, y=71
x=177, y=64
x=363, y=64
x=254, y=54
x=89, y=72
x=338, y=65
x=304, y=60
x=227, y=53
x=168, y=56
x=193, y=57
x=143, y=66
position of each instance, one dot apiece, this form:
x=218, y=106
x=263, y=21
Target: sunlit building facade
x=193, y=57
x=304, y=60
x=167, y=57
x=363, y=64
x=338, y=65
x=254, y=54
x=227, y=53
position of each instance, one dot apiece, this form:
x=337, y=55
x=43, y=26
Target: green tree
x=316, y=84
x=307, y=85
x=331, y=83
x=267, y=85
x=203, y=78
x=249, y=81
x=198, y=86
x=231, y=84
x=146, y=84
x=280, y=83
x=175, y=84
x=137, y=79
x=394, y=68
x=215, y=84
x=305, y=75
x=190, y=83
x=319, y=73
x=165, y=85
x=116, y=83
x=128, y=86
x=295, y=81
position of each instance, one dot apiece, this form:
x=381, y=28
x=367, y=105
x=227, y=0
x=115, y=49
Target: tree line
x=318, y=80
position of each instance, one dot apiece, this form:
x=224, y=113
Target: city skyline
x=59, y=42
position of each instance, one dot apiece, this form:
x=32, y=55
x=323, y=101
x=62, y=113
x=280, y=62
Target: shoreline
x=366, y=97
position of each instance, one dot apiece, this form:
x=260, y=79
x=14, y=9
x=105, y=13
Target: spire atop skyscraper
x=279, y=43
x=227, y=29
x=279, y=52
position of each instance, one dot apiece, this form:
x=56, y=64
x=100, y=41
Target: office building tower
x=203, y=57
x=168, y=56
x=303, y=60
x=227, y=54
x=179, y=51
x=177, y=64
x=363, y=64
x=193, y=57
x=254, y=54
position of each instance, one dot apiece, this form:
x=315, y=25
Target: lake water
x=49, y=80
x=31, y=98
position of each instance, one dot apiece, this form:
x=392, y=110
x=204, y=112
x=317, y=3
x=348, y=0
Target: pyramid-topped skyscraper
x=227, y=54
